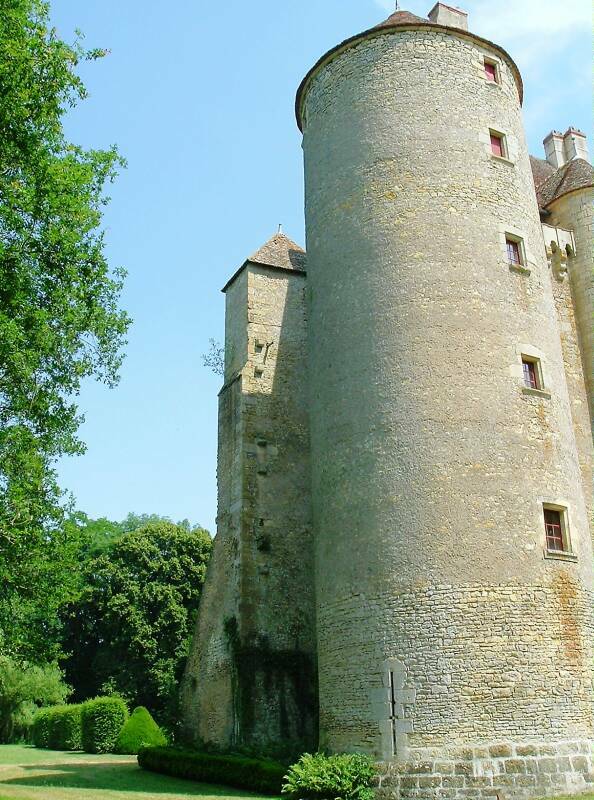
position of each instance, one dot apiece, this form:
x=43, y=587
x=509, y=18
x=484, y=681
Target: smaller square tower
x=251, y=678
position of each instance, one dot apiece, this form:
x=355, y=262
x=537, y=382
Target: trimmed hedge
x=65, y=728
x=102, y=720
x=342, y=777
x=140, y=730
x=257, y=775
x=58, y=728
x=40, y=730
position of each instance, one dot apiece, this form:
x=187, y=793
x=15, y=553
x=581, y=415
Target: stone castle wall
x=444, y=626
x=208, y=686
x=570, y=290
x=575, y=211
x=252, y=667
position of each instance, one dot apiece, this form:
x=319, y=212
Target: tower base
x=501, y=771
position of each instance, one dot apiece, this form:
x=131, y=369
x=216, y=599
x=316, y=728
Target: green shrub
x=65, y=727
x=102, y=720
x=257, y=775
x=140, y=730
x=58, y=728
x=40, y=730
x=339, y=777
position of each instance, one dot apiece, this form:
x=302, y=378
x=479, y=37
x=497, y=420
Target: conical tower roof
x=401, y=18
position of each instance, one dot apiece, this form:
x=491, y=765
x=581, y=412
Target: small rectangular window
x=556, y=530
x=531, y=376
x=497, y=145
x=514, y=251
x=491, y=71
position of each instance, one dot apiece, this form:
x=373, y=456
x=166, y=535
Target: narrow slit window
x=556, y=530
x=491, y=71
x=497, y=145
x=531, y=376
x=393, y=710
x=514, y=251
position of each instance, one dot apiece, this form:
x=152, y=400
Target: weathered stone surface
x=251, y=678
x=450, y=645
x=430, y=464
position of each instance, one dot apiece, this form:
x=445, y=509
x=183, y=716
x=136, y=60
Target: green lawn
x=30, y=774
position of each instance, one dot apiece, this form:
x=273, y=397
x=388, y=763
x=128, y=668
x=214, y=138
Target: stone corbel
x=558, y=258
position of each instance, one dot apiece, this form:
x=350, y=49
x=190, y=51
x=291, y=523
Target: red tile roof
x=576, y=174
x=541, y=170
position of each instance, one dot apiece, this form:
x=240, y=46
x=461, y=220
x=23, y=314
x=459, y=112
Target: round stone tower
x=453, y=551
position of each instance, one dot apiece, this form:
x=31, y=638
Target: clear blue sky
x=199, y=98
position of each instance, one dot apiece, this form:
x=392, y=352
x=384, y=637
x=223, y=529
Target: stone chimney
x=441, y=14
x=554, y=149
x=575, y=145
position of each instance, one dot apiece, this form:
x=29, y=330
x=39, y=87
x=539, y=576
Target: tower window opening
x=491, y=72
x=393, y=710
x=531, y=376
x=498, y=145
x=514, y=251
x=556, y=529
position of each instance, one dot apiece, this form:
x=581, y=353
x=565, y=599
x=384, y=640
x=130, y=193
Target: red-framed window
x=514, y=254
x=497, y=147
x=530, y=374
x=554, y=530
x=491, y=71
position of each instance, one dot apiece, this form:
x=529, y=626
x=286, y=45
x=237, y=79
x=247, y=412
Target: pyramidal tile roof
x=576, y=174
x=280, y=251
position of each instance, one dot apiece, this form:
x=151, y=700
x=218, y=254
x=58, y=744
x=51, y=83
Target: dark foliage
x=130, y=630
x=254, y=774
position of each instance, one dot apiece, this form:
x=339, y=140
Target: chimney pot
x=554, y=149
x=449, y=16
x=575, y=145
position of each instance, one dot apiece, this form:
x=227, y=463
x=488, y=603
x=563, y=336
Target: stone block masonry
x=404, y=549
x=251, y=678
x=443, y=622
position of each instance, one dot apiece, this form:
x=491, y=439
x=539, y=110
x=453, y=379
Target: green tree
x=23, y=688
x=59, y=316
x=130, y=630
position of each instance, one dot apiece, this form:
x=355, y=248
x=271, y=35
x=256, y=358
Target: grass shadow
x=117, y=777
